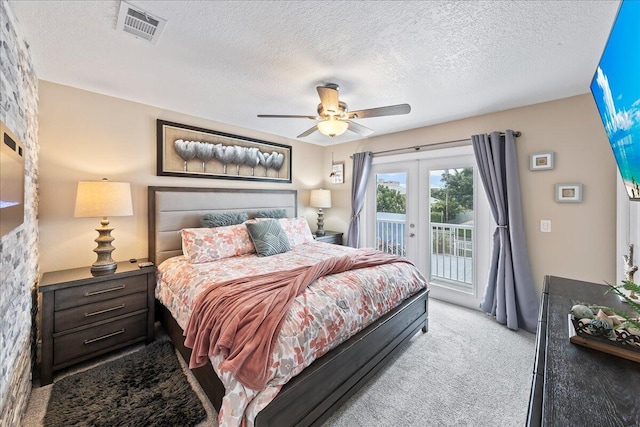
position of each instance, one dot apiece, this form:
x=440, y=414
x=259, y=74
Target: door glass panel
x=452, y=228
x=391, y=212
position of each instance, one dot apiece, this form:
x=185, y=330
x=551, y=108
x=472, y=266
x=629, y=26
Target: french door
x=432, y=210
x=393, y=211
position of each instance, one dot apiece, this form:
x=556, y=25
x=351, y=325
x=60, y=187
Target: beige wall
x=582, y=242
x=86, y=136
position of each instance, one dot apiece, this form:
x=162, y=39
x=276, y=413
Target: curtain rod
x=418, y=147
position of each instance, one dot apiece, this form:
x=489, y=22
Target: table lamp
x=103, y=199
x=320, y=199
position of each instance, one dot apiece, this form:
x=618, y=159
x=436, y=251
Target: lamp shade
x=320, y=198
x=332, y=127
x=103, y=199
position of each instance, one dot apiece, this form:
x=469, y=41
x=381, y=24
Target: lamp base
x=102, y=270
x=104, y=264
x=320, y=231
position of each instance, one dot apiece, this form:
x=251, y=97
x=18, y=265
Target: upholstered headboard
x=173, y=208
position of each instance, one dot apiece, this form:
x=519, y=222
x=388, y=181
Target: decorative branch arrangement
x=630, y=270
x=630, y=322
x=608, y=329
x=180, y=146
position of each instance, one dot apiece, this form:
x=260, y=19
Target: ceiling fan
x=334, y=117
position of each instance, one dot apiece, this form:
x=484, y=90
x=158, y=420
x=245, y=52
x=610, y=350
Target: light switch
x=545, y=225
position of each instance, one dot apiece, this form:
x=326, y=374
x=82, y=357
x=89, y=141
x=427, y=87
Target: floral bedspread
x=327, y=313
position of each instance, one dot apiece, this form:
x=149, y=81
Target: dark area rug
x=145, y=388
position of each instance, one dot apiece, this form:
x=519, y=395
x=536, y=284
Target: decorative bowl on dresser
x=84, y=316
x=330, y=237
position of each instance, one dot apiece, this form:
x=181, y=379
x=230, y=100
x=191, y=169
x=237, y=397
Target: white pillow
x=210, y=244
x=297, y=230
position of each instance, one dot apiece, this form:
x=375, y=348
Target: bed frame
x=318, y=391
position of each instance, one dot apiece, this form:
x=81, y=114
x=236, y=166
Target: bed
x=310, y=397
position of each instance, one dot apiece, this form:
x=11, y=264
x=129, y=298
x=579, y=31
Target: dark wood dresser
x=85, y=316
x=574, y=385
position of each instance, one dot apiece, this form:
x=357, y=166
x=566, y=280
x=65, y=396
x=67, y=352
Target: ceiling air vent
x=139, y=23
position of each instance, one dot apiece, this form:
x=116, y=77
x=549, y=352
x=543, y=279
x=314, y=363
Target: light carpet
x=468, y=370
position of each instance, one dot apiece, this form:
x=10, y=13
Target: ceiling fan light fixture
x=332, y=127
x=334, y=117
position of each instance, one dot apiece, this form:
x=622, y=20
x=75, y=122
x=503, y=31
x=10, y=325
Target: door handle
x=412, y=234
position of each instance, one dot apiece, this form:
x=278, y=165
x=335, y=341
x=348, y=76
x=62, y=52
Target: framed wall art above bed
x=202, y=153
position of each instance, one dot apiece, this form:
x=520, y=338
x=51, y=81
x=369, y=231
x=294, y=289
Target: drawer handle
x=106, y=310
x=104, y=291
x=112, y=334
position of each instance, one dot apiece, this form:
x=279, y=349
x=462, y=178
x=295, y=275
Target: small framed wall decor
x=337, y=173
x=541, y=161
x=568, y=193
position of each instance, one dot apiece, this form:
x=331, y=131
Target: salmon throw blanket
x=241, y=318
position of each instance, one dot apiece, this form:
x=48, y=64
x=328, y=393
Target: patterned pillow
x=272, y=213
x=222, y=219
x=210, y=244
x=268, y=237
x=297, y=230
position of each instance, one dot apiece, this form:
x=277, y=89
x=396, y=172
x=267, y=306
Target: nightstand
x=85, y=316
x=330, y=237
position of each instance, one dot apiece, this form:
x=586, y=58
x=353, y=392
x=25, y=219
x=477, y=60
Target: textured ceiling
x=231, y=60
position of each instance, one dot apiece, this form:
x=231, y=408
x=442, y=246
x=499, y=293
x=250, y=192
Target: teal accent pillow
x=272, y=213
x=223, y=219
x=268, y=237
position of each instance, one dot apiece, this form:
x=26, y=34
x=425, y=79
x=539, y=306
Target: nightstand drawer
x=330, y=237
x=107, y=336
x=90, y=313
x=95, y=292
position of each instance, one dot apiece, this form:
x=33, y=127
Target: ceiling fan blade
x=329, y=99
x=390, y=110
x=308, y=132
x=285, y=116
x=359, y=129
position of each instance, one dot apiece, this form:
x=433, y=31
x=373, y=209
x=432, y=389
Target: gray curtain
x=510, y=295
x=361, y=169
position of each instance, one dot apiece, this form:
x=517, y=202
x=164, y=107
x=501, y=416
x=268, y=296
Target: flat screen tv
x=616, y=90
x=11, y=181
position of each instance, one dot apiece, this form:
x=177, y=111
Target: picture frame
x=205, y=153
x=568, y=193
x=337, y=173
x=542, y=161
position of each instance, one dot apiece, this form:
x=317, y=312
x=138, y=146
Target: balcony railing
x=452, y=252
x=451, y=248
x=391, y=235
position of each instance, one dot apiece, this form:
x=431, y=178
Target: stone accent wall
x=19, y=248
